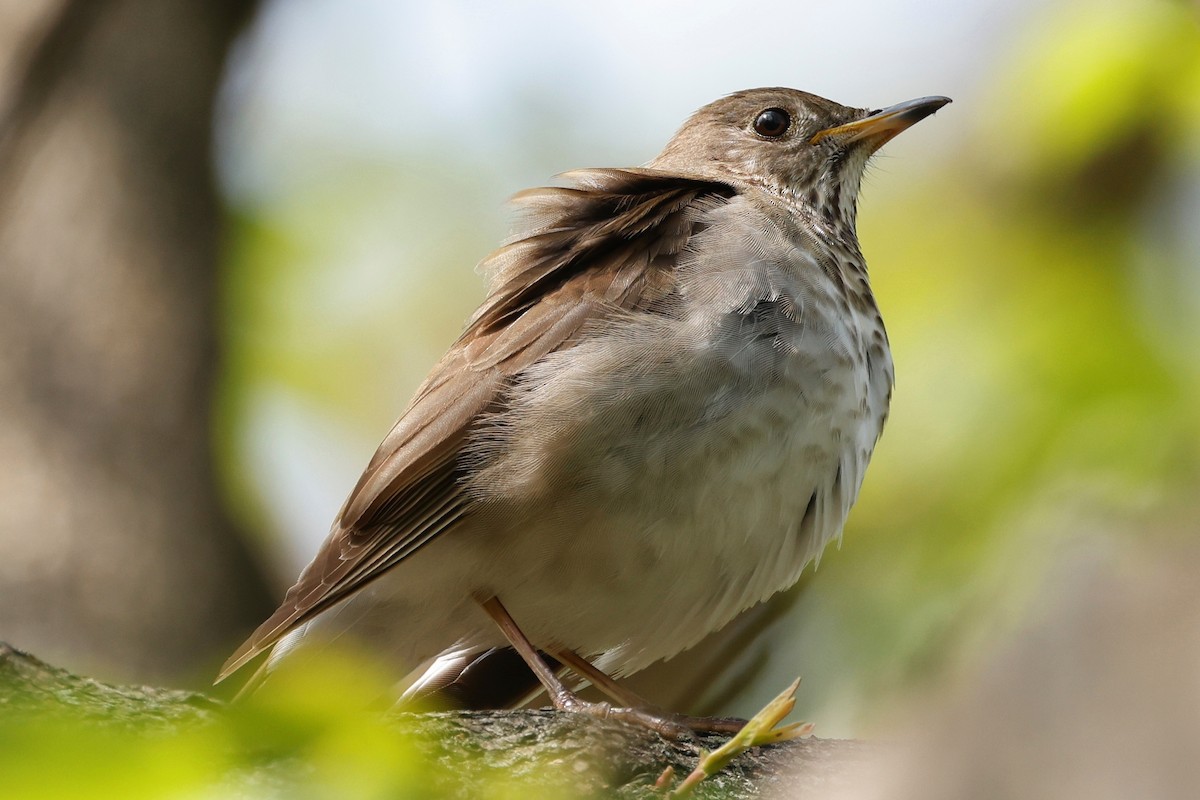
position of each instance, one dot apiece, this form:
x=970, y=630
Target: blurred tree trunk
x=115, y=554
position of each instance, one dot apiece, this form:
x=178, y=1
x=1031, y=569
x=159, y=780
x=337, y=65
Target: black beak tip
x=914, y=111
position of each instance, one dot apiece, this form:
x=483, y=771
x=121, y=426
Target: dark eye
x=772, y=123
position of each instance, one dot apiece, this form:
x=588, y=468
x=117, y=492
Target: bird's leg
x=602, y=681
x=667, y=725
x=562, y=697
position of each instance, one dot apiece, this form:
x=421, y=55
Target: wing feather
x=605, y=244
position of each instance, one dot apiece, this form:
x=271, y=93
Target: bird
x=660, y=414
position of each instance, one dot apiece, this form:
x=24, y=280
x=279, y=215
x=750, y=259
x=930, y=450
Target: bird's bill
x=882, y=125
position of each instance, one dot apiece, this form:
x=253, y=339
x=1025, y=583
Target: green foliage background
x=1040, y=287
x=1040, y=276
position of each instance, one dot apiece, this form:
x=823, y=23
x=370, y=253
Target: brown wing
x=608, y=242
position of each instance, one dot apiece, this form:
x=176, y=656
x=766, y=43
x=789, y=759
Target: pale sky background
x=389, y=77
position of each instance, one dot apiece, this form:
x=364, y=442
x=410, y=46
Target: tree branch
x=465, y=749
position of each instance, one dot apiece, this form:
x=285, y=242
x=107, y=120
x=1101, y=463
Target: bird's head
x=804, y=147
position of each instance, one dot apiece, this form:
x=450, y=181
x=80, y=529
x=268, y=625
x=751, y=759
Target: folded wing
x=605, y=244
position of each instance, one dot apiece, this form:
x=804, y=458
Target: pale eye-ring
x=772, y=123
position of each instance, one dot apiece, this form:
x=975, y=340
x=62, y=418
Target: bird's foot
x=664, y=723
x=635, y=710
